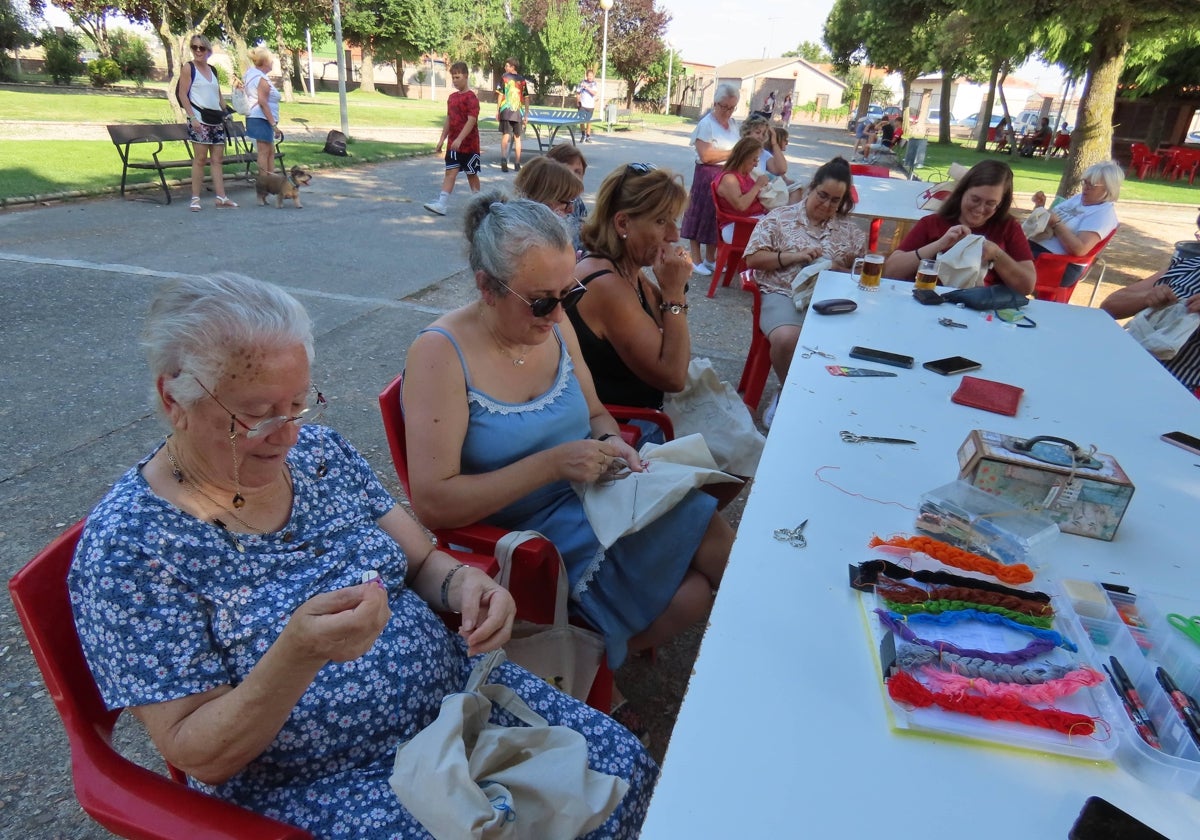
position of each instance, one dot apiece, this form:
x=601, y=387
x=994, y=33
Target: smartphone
x=881, y=356
x=1191, y=444
x=1101, y=820
x=952, y=365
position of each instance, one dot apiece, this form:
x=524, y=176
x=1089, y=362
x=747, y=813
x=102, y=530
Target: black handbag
x=209, y=116
x=985, y=298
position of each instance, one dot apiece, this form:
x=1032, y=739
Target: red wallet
x=988, y=395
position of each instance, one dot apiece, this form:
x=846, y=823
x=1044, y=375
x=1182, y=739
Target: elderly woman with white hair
x=714, y=138
x=255, y=597
x=1080, y=222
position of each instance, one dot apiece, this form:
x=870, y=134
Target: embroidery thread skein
x=943, y=606
x=870, y=570
x=1035, y=648
x=904, y=593
x=959, y=558
x=1045, y=693
x=912, y=657
x=954, y=616
x=904, y=689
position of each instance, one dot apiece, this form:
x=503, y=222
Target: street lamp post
x=670, y=64
x=605, y=5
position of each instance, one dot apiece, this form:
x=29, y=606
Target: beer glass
x=869, y=269
x=927, y=274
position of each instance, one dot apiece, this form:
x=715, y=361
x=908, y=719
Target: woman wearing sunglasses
x=501, y=416
x=633, y=330
x=200, y=96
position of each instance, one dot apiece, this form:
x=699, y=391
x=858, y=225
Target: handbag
x=466, y=778
x=709, y=406
x=627, y=505
x=566, y=656
x=209, y=116
x=242, y=103
x=984, y=298
x=962, y=266
x=1164, y=330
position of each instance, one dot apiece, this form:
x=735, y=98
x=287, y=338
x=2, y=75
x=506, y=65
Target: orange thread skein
x=959, y=558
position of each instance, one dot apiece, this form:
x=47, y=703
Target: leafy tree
x=635, y=40
x=103, y=72
x=62, y=56
x=132, y=56
x=474, y=28
x=14, y=34
x=810, y=51
x=569, y=42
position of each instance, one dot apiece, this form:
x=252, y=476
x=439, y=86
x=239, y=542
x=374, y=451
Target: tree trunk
x=366, y=72
x=401, y=85
x=985, y=113
x=288, y=94
x=1091, y=141
x=299, y=71
x=944, y=122
x=174, y=46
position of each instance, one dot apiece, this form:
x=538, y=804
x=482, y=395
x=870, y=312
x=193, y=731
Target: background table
x=784, y=730
x=892, y=199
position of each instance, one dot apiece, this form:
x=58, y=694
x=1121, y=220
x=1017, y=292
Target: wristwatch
x=672, y=307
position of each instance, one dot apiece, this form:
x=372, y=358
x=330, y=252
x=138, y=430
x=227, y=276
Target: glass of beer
x=869, y=269
x=927, y=274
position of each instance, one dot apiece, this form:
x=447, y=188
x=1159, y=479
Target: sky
x=720, y=31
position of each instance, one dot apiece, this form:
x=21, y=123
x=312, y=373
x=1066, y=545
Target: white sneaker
x=702, y=268
x=711, y=266
x=438, y=207
x=769, y=414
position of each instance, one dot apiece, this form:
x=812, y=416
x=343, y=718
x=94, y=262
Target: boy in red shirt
x=462, y=130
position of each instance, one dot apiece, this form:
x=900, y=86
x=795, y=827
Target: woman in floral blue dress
x=218, y=588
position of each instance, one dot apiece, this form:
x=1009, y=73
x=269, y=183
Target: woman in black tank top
x=633, y=330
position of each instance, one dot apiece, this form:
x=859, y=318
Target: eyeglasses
x=1087, y=185
x=272, y=424
x=543, y=306
x=826, y=198
x=978, y=201
x=726, y=108
x=199, y=48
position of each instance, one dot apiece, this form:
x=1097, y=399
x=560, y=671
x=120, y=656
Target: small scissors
x=850, y=437
x=793, y=536
x=950, y=322
x=1188, y=625
x=813, y=351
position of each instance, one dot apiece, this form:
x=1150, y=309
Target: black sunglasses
x=543, y=306
x=639, y=168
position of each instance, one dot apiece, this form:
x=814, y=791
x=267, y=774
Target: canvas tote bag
x=962, y=266
x=465, y=778
x=1164, y=330
x=709, y=406
x=562, y=654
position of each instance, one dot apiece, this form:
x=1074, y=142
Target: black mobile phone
x=1191, y=444
x=1099, y=819
x=952, y=364
x=883, y=357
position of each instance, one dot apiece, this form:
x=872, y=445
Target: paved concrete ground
x=371, y=266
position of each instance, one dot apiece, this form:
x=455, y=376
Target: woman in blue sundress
x=502, y=416
x=252, y=594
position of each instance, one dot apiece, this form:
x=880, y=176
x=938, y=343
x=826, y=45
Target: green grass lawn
x=1042, y=173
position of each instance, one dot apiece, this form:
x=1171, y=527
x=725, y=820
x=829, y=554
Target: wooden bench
x=238, y=149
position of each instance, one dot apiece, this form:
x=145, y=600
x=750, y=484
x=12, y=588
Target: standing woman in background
x=263, y=123
x=714, y=137
x=199, y=94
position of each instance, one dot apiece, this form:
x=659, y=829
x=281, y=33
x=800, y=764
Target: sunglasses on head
x=543, y=306
x=637, y=168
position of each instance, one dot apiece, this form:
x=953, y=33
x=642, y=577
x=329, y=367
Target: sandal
x=223, y=202
x=195, y=205
x=628, y=717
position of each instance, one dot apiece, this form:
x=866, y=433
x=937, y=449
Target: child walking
x=462, y=132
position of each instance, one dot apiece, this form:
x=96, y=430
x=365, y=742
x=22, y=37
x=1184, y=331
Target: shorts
x=778, y=311
x=259, y=129
x=463, y=161
x=514, y=127
x=205, y=134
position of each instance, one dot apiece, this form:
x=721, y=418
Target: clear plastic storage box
x=961, y=514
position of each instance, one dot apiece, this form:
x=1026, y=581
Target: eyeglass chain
x=179, y=476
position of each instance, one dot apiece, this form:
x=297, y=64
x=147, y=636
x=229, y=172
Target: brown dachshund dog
x=282, y=186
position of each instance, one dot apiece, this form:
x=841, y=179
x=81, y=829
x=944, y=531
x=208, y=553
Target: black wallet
x=927, y=296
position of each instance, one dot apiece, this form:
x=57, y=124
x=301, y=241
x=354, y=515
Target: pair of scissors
x=815, y=351
x=1188, y=625
x=850, y=437
x=793, y=536
x=950, y=322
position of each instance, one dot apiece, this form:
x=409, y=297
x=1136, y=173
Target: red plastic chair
x=1143, y=160
x=731, y=256
x=1062, y=143
x=758, y=358
x=1182, y=162
x=872, y=171
x=534, y=578
x=1051, y=268
x=126, y=798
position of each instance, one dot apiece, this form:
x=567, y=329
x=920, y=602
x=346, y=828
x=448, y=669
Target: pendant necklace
x=518, y=361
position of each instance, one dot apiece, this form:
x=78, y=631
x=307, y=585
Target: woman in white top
x=714, y=137
x=1080, y=222
x=262, y=125
x=199, y=92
